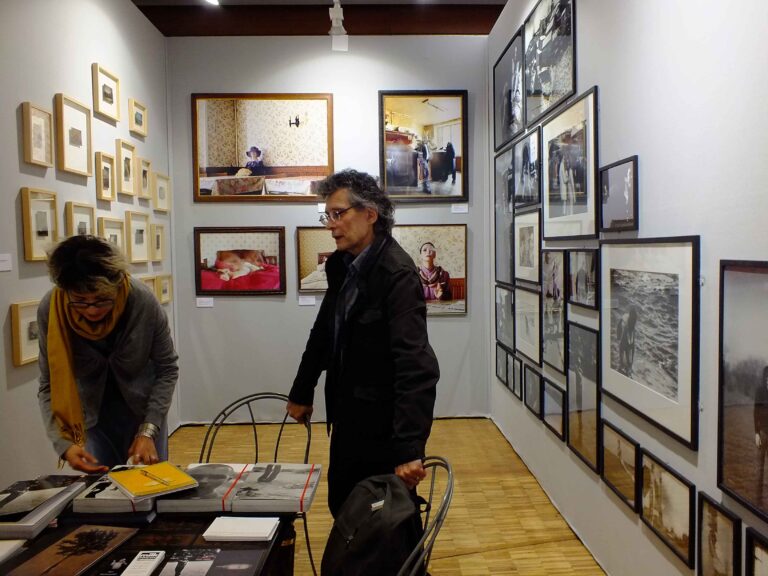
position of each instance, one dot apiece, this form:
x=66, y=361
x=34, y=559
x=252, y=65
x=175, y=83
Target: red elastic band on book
x=235, y=481
x=306, y=485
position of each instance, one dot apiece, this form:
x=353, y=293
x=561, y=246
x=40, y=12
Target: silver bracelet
x=149, y=430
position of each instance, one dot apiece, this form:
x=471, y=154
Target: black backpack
x=377, y=528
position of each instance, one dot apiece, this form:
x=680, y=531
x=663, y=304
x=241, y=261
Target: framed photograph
x=157, y=248
x=239, y=261
x=151, y=283
x=756, y=553
x=743, y=386
x=112, y=230
x=532, y=387
x=515, y=375
x=553, y=273
x=79, y=219
x=583, y=278
x=619, y=196
x=527, y=169
x=501, y=364
x=440, y=254
x=137, y=229
x=504, y=215
x=583, y=381
x=528, y=323
x=106, y=92
x=550, y=57
x=508, y=115
x=528, y=246
x=143, y=179
x=649, y=322
x=668, y=503
x=505, y=317
x=261, y=147
x=161, y=192
x=40, y=221
x=105, y=177
x=124, y=166
x=569, y=166
x=621, y=463
x=25, y=332
x=137, y=117
x=422, y=139
x=314, y=245
x=719, y=535
x=38, y=134
x=164, y=285
x=553, y=408
x=73, y=131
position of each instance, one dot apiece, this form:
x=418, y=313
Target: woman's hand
x=143, y=451
x=78, y=459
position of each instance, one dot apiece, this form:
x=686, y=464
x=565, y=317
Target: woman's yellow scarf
x=65, y=400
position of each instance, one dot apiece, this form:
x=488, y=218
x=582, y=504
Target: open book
x=142, y=482
x=104, y=496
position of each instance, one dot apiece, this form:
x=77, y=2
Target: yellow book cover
x=142, y=482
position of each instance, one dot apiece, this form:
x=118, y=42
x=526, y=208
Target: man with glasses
x=107, y=362
x=370, y=336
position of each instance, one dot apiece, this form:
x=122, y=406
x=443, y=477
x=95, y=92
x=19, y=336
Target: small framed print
x=157, y=248
x=38, y=134
x=106, y=92
x=719, y=536
x=314, y=245
x=151, y=283
x=583, y=278
x=527, y=169
x=756, y=553
x=621, y=463
x=73, y=131
x=553, y=408
x=79, y=219
x=583, y=381
x=508, y=90
x=25, y=332
x=527, y=246
x=668, y=504
x=528, y=323
x=39, y=217
x=164, y=285
x=137, y=229
x=112, y=230
x=143, y=178
x=501, y=364
x=515, y=375
x=124, y=166
x=105, y=177
x=619, y=196
x=505, y=317
x=553, y=314
x=161, y=192
x=532, y=387
x=137, y=117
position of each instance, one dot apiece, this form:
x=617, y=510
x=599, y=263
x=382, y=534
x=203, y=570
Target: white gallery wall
x=683, y=86
x=48, y=47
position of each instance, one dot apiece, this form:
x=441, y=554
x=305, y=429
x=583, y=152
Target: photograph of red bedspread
x=267, y=279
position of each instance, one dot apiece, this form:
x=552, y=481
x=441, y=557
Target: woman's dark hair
x=427, y=243
x=363, y=191
x=86, y=264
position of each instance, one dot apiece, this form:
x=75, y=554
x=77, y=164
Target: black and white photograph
x=583, y=275
x=554, y=308
x=553, y=408
x=508, y=92
x=756, y=553
x=505, y=317
x=75, y=137
x=528, y=324
x=189, y=562
x=719, y=536
x=40, y=222
x=106, y=93
x=621, y=462
x=649, y=295
x=569, y=171
x=501, y=364
x=584, y=394
x=276, y=488
x=137, y=117
x=137, y=229
x=527, y=246
x=550, y=57
x=105, y=177
x=532, y=386
x=619, y=196
x=124, y=155
x=504, y=214
x=668, y=506
x=527, y=170
x=79, y=219
x=743, y=397
x=515, y=375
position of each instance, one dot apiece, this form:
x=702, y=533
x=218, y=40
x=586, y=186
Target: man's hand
x=411, y=473
x=143, y=451
x=79, y=459
x=299, y=412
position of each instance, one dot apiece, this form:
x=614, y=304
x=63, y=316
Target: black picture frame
x=532, y=390
x=583, y=386
x=501, y=364
x=619, y=196
x=505, y=317
x=527, y=246
x=554, y=311
x=665, y=495
x=515, y=382
x=621, y=465
x=720, y=529
x=526, y=169
x=504, y=215
x=405, y=174
x=754, y=542
x=554, y=408
x=583, y=286
x=528, y=323
x=508, y=92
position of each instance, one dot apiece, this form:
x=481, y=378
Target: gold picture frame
x=161, y=192
x=164, y=287
x=157, y=239
x=73, y=136
x=38, y=134
x=125, y=153
x=106, y=92
x=151, y=283
x=143, y=178
x=24, y=332
x=79, y=219
x=137, y=232
x=112, y=230
x=137, y=117
x=106, y=179
x=40, y=222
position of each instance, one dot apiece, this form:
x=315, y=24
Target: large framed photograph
x=527, y=246
x=515, y=375
x=501, y=365
x=38, y=134
x=619, y=196
x=508, y=115
x=73, y=132
x=138, y=244
x=532, y=387
x=440, y=254
x=422, y=143
x=550, y=57
x=143, y=178
x=621, y=463
x=40, y=222
x=719, y=536
x=112, y=230
x=239, y=261
x=105, y=177
x=527, y=169
x=743, y=394
x=106, y=92
x=25, y=332
x=668, y=503
x=569, y=171
x=157, y=247
x=583, y=278
x=756, y=553
x=553, y=273
x=79, y=219
x=649, y=318
x=161, y=192
x=261, y=147
x=314, y=245
x=504, y=215
x=553, y=408
x=505, y=317
x=137, y=117
x=583, y=382
x=124, y=166
x=528, y=323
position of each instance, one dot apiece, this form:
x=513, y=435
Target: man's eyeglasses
x=334, y=215
x=101, y=304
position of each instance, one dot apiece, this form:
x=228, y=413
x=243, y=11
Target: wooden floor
x=500, y=521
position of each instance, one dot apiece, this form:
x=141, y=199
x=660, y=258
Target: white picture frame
x=40, y=222
x=106, y=92
x=79, y=219
x=112, y=230
x=106, y=178
x=137, y=230
x=137, y=117
x=143, y=178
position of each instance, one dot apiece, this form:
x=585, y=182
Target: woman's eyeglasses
x=100, y=304
x=334, y=215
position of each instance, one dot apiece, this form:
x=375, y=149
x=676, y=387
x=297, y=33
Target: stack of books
x=140, y=483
